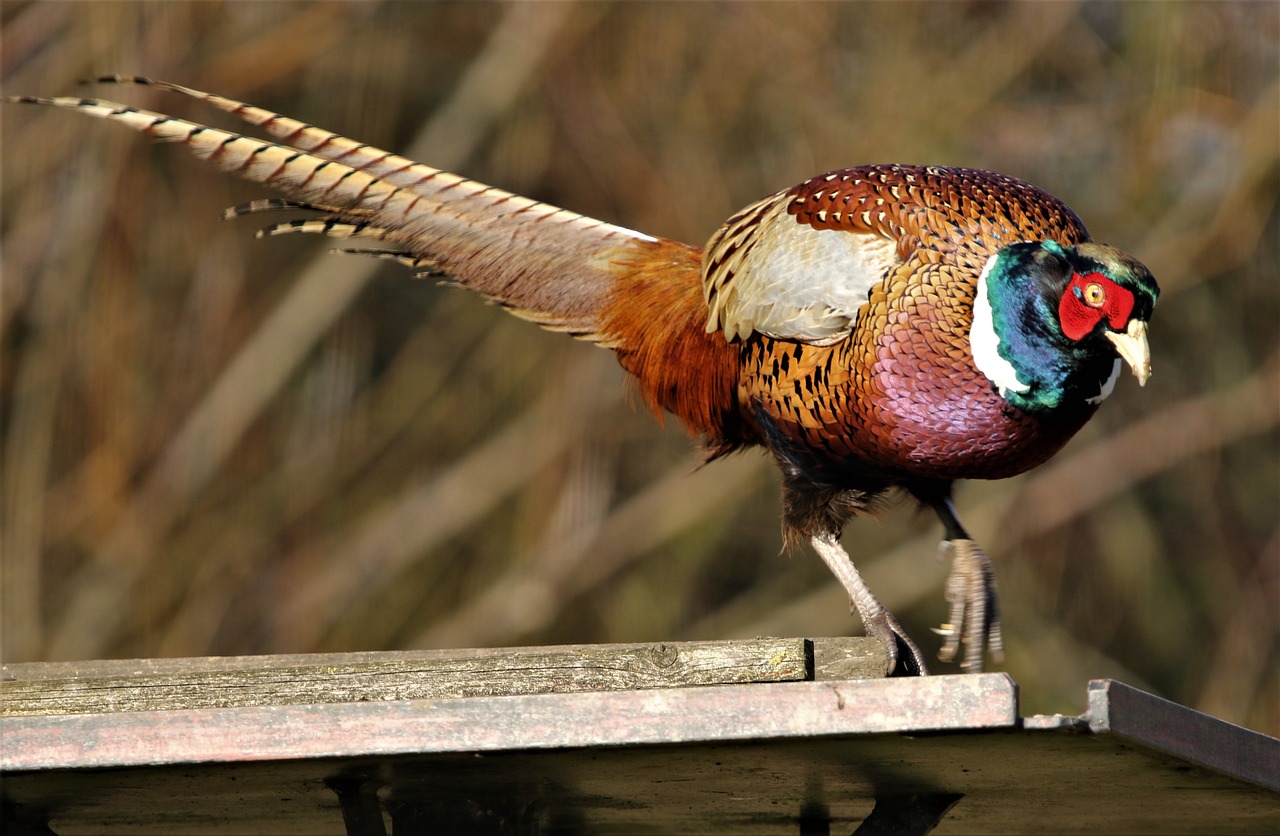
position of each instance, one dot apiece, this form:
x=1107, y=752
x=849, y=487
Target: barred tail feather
x=540, y=262
x=631, y=292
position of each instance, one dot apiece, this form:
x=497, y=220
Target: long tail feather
x=561, y=278
x=631, y=292
x=273, y=204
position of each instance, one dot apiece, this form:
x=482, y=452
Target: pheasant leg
x=974, y=617
x=905, y=658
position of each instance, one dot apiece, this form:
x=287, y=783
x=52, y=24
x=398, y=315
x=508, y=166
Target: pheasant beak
x=1132, y=346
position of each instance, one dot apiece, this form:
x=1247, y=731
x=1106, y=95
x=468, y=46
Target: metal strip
x=1182, y=732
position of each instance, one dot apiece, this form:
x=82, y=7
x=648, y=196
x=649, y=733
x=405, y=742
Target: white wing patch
x=984, y=342
x=765, y=272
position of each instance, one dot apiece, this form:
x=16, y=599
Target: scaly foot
x=905, y=659
x=974, y=618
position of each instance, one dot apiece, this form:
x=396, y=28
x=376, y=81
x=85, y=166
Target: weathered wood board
x=792, y=753
x=223, y=682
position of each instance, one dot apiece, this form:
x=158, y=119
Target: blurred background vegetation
x=219, y=445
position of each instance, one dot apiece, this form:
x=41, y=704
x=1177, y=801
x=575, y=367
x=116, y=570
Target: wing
x=801, y=265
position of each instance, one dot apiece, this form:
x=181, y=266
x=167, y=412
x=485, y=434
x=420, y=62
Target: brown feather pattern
x=902, y=397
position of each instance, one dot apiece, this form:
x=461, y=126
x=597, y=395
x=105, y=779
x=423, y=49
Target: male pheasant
x=880, y=327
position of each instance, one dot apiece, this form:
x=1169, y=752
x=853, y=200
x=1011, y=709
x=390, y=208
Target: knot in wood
x=664, y=655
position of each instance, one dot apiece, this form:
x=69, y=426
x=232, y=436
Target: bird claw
x=905, y=659
x=974, y=617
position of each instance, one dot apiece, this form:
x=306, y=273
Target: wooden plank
x=848, y=658
x=713, y=713
x=787, y=762
x=1013, y=783
x=169, y=684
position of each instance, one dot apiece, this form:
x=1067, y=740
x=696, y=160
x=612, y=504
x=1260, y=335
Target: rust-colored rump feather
x=654, y=320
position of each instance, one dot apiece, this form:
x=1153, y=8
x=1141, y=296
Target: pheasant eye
x=1090, y=298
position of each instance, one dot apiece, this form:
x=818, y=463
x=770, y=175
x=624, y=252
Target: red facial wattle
x=1090, y=298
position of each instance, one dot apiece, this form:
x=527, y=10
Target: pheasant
x=873, y=328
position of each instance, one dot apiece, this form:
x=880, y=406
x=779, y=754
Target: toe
x=973, y=613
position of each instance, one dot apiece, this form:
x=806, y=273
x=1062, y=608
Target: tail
x=639, y=295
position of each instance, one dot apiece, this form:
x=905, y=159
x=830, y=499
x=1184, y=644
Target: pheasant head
x=1052, y=324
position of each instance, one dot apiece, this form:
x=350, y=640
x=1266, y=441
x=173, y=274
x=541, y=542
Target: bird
x=878, y=330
